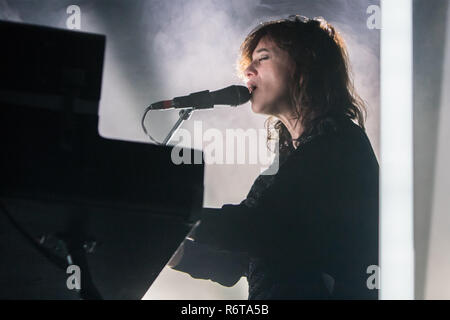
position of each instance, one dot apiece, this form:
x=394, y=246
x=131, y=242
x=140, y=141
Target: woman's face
x=269, y=78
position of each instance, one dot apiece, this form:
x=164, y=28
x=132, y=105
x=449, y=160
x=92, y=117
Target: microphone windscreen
x=232, y=95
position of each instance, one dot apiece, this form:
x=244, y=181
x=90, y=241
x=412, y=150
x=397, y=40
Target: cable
x=89, y=293
x=145, y=129
x=56, y=260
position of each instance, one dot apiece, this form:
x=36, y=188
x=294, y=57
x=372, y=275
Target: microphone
x=231, y=96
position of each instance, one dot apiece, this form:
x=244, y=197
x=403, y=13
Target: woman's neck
x=293, y=125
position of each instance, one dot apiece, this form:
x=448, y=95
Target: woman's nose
x=250, y=71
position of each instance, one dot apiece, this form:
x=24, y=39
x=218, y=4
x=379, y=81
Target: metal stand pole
x=184, y=115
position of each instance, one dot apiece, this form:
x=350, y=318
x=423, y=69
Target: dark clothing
x=308, y=232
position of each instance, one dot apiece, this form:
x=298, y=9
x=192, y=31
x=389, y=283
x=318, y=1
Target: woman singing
x=311, y=230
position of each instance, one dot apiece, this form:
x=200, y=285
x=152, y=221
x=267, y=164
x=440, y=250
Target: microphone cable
x=91, y=293
x=145, y=129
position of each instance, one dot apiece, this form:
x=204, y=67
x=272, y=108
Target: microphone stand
x=201, y=100
x=184, y=114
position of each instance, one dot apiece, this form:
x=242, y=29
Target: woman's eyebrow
x=262, y=49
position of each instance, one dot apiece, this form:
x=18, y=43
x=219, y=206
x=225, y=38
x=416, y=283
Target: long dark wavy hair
x=322, y=87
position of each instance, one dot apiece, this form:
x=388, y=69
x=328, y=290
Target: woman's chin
x=257, y=108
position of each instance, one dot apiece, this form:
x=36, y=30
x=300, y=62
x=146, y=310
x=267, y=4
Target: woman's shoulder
x=334, y=133
x=342, y=146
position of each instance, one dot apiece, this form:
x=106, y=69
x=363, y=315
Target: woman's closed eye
x=263, y=58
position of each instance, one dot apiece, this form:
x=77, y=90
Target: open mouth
x=252, y=89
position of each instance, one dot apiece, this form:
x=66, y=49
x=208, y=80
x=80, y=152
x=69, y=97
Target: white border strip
x=396, y=166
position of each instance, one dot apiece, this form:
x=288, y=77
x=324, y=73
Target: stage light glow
x=396, y=165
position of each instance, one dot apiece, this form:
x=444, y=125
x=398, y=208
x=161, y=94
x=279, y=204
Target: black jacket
x=310, y=231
